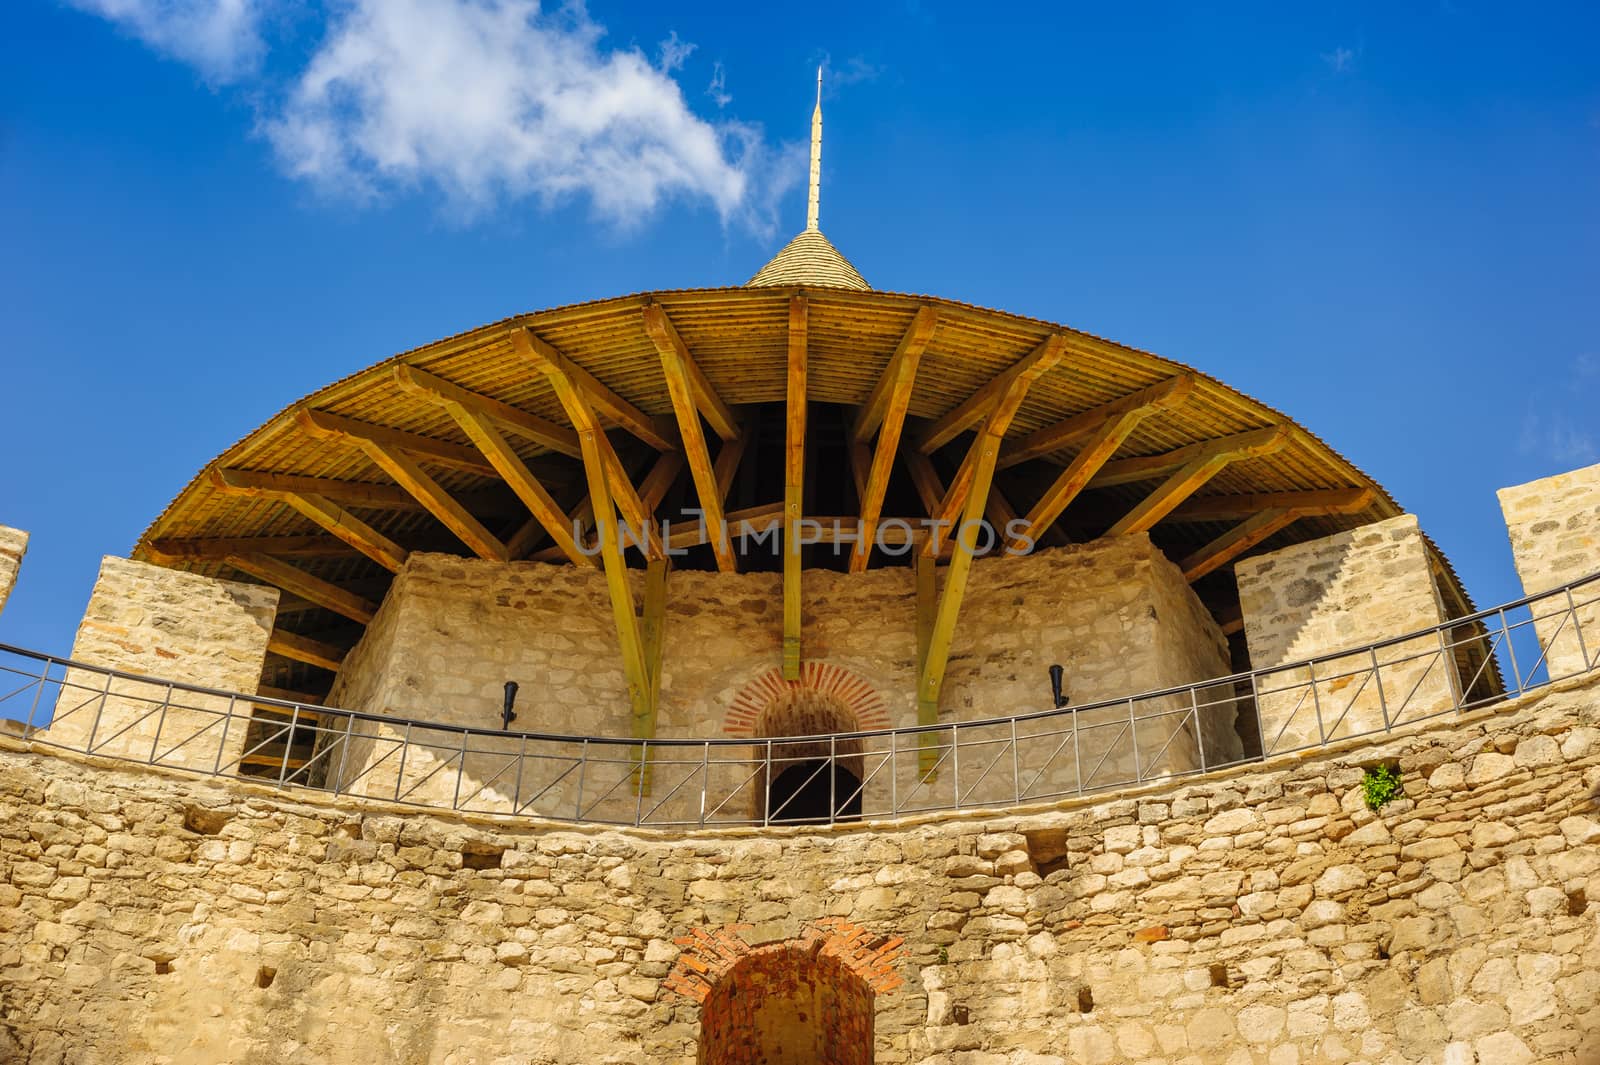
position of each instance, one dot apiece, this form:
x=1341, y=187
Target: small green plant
x=944, y=956
x=1379, y=784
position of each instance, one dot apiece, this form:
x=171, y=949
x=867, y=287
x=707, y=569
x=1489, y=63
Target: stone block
x=1554, y=525
x=13, y=545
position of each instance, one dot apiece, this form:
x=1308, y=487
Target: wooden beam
x=1001, y=410
x=1072, y=480
x=514, y=419
x=328, y=426
x=983, y=401
x=930, y=489
x=1200, y=468
x=794, y=475
x=912, y=344
x=574, y=389
x=927, y=580
x=762, y=520
x=286, y=695
x=1172, y=392
x=529, y=535
x=896, y=398
x=349, y=528
x=705, y=399
x=653, y=636
x=1249, y=504
x=1235, y=542
x=606, y=402
x=217, y=548
x=455, y=517
x=304, y=649
x=860, y=469
x=1149, y=467
x=349, y=493
x=540, y=503
x=675, y=369
x=729, y=455
x=653, y=489
x=299, y=582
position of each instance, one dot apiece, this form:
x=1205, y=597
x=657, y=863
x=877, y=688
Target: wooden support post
x=794, y=468
x=1079, y=472
x=1200, y=468
x=297, y=581
x=1235, y=542
x=974, y=409
x=675, y=368
x=704, y=398
x=653, y=635
x=887, y=406
x=540, y=503
x=927, y=578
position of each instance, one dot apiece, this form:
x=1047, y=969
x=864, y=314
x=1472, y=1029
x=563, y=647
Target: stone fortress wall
x=1262, y=915
x=13, y=545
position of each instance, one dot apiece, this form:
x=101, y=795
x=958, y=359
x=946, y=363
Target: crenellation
x=1554, y=525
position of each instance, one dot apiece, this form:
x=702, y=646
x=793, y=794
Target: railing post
x=833, y=778
x=161, y=720
x=344, y=750
x=766, y=788
x=638, y=783
x=1577, y=627
x=583, y=770
x=1316, y=701
x=1199, y=730
x=94, y=726
x=1133, y=732
x=1016, y=767
x=1255, y=702
x=38, y=693
x=955, y=764
x=405, y=749
x=1377, y=675
x=288, y=744
x=222, y=742
x=522, y=758
x=1511, y=652
x=1077, y=754
x=705, y=778
x=894, y=776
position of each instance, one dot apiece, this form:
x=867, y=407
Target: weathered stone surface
x=1322, y=596
x=150, y=917
x=13, y=545
x=1554, y=524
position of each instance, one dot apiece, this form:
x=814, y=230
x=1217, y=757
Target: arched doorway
x=788, y=1004
x=812, y=779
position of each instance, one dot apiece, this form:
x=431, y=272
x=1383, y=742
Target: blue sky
x=1382, y=219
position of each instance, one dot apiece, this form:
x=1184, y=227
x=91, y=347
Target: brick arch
x=709, y=954
x=859, y=697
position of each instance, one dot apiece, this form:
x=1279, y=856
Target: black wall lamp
x=507, y=714
x=1059, y=696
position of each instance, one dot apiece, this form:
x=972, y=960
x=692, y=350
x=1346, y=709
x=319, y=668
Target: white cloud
x=219, y=38
x=1340, y=59
x=718, y=89
x=483, y=102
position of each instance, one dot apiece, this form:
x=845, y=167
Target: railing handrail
x=865, y=734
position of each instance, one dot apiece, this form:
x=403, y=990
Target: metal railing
x=1008, y=761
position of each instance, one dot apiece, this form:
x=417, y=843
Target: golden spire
x=816, y=158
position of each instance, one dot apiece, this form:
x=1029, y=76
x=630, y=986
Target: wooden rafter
x=729, y=455
x=653, y=489
x=886, y=410
x=1200, y=467
x=982, y=458
x=513, y=419
x=1172, y=392
x=1267, y=521
x=540, y=503
x=325, y=512
x=1000, y=410
x=794, y=471
x=299, y=648
x=217, y=548
x=913, y=342
x=1096, y=452
x=305, y=585
x=1149, y=467
x=977, y=406
x=601, y=399
x=703, y=397
x=350, y=493
x=760, y=521
x=675, y=368
x=288, y=695
x=328, y=426
x=1249, y=504
x=930, y=489
x=575, y=390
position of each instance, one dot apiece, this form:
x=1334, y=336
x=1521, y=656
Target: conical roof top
x=810, y=259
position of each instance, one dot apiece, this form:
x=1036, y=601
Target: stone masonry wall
x=1259, y=917
x=13, y=545
x=451, y=631
x=1555, y=536
x=157, y=622
x=1323, y=596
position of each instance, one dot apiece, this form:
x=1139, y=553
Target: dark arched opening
x=806, y=792
x=809, y=777
x=788, y=1004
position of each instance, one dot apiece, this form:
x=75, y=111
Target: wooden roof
x=384, y=449
x=810, y=259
